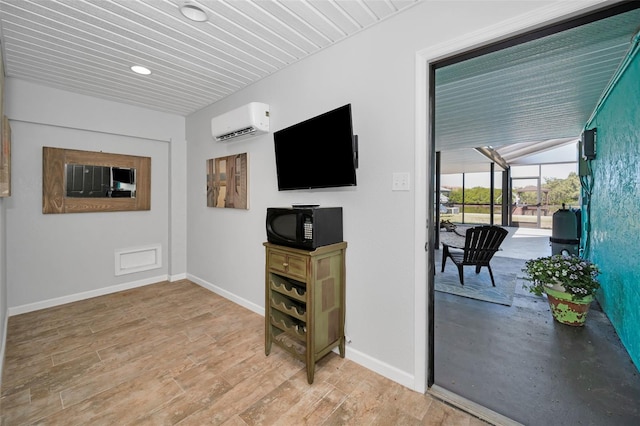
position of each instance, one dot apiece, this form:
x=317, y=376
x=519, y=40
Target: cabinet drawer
x=289, y=264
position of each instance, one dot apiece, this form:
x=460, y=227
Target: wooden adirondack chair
x=480, y=244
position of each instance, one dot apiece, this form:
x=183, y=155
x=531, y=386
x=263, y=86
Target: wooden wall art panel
x=5, y=159
x=54, y=182
x=228, y=182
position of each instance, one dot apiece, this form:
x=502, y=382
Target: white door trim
x=546, y=15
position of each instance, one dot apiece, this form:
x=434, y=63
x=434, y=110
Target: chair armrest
x=450, y=246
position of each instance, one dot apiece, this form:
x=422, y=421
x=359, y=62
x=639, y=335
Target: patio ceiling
x=529, y=98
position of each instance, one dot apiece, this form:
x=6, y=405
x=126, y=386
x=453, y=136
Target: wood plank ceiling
x=88, y=46
x=541, y=90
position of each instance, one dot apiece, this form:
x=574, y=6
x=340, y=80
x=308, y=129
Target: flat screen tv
x=320, y=152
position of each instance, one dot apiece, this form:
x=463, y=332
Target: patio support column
x=506, y=197
x=437, y=206
x=492, y=188
x=463, y=187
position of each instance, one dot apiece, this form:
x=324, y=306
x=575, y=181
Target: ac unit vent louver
x=237, y=133
x=241, y=123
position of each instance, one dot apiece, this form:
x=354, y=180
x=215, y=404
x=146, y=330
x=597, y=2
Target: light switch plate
x=400, y=181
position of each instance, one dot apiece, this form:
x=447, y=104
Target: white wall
x=375, y=72
x=220, y=248
x=3, y=240
x=56, y=258
x=3, y=283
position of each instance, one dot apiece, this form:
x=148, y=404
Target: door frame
x=543, y=21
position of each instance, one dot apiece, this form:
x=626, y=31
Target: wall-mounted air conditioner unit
x=241, y=123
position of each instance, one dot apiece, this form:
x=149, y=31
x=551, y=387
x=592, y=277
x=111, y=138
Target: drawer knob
x=285, y=264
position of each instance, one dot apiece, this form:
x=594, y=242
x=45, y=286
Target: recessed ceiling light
x=193, y=12
x=140, y=70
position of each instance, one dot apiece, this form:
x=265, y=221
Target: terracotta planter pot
x=565, y=310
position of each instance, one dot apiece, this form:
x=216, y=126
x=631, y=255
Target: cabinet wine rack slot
x=305, y=301
x=288, y=306
x=286, y=287
x=289, y=325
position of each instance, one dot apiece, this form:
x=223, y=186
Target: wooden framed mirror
x=75, y=181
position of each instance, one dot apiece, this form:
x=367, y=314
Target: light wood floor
x=175, y=353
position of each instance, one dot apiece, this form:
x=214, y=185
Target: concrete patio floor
x=517, y=361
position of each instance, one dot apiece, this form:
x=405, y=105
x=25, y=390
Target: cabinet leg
x=341, y=346
x=310, y=372
x=267, y=342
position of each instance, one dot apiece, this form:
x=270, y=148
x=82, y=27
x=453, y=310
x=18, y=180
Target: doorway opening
x=511, y=351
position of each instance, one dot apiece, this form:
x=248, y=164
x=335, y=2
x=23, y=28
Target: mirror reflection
x=87, y=181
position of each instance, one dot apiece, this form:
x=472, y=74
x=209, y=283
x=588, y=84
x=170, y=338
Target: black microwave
x=304, y=227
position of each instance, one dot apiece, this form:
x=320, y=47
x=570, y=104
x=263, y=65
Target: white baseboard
x=356, y=356
x=177, y=277
x=22, y=309
x=382, y=368
x=227, y=294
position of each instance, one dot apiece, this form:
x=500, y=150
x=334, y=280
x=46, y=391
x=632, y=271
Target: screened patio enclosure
x=523, y=193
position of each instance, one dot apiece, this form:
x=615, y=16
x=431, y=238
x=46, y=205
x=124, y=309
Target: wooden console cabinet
x=305, y=301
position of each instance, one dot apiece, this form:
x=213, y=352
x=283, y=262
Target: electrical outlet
x=400, y=182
